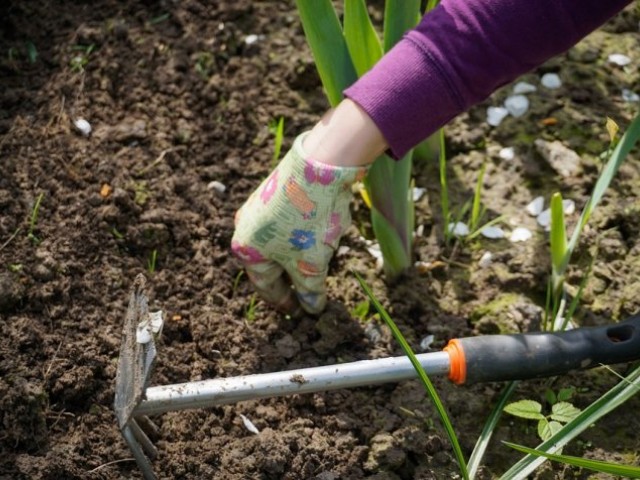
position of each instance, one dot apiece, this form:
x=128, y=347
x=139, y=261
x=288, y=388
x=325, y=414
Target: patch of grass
x=33, y=220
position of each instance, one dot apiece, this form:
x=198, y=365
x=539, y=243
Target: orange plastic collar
x=457, y=362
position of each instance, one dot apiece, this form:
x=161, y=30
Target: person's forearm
x=460, y=53
x=345, y=136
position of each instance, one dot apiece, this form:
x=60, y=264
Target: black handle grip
x=534, y=355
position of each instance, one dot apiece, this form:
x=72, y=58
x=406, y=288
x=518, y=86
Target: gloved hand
x=292, y=224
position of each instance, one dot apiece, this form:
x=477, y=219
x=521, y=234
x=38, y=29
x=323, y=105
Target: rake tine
x=141, y=437
x=143, y=463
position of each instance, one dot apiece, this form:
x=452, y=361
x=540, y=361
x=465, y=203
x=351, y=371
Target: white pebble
x=568, y=206
x=249, y=425
x=425, y=343
x=83, y=126
x=251, y=39
x=495, y=115
x=217, y=186
x=520, y=234
x=142, y=334
x=619, y=59
x=374, y=251
x=342, y=250
x=420, y=230
x=517, y=105
x=507, y=153
x=459, y=229
x=630, y=96
x=534, y=208
x=544, y=219
x=551, y=81
x=523, y=87
x=485, y=260
x=418, y=193
x=492, y=232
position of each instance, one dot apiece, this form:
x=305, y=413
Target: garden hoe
x=464, y=360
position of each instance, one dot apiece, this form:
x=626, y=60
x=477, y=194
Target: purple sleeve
x=460, y=53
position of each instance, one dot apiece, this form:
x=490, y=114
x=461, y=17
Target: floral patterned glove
x=292, y=224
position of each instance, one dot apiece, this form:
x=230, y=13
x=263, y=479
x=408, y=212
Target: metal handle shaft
x=208, y=393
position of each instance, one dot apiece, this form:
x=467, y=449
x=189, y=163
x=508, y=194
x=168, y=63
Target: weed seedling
x=81, y=59
x=250, y=311
x=151, y=262
x=277, y=129
x=33, y=220
x=562, y=412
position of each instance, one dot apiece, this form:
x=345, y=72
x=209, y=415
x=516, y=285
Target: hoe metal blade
x=137, y=355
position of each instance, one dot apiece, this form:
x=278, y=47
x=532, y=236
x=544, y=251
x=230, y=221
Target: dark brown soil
x=177, y=99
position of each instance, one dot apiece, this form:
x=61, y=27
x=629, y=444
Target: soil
x=178, y=96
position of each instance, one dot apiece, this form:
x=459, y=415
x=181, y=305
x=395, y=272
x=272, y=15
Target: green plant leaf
x=565, y=394
x=558, y=239
x=422, y=375
x=529, y=409
x=547, y=429
x=362, y=40
x=608, y=402
x=564, y=412
x=399, y=16
x=475, y=209
x=550, y=396
x=361, y=310
x=625, y=471
x=324, y=34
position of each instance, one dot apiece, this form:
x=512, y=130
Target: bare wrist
x=345, y=136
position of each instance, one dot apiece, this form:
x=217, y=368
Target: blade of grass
x=444, y=189
x=362, y=40
x=487, y=431
x=421, y=374
x=475, y=210
x=608, y=402
x=626, y=471
x=328, y=46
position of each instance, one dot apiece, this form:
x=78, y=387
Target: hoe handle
x=533, y=355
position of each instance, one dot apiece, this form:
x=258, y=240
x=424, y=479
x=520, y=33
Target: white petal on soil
x=249, y=425
x=459, y=229
x=517, y=105
x=374, y=251
x=544, y=219
x=568, y=206
x=520, y=234
x=418, y=193
x=83, y=126
x=495, y=115
x=156, y=320
x=619, y=59
x=251, y=39
x=342, y=250
x=217, y=186
x=492, y=232
x=485, y=260
x=630, y=96
x=426, y=342
x=551, y=81
x=507, y=153
x=535, y=206
x=142, y=333
x=523, y=87
x=420, y=230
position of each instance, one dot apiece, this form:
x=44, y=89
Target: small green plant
x=250, y=311
x=561, y=249
x=33, y=220
x=81, y=58
x=361, y=310
x=15, y=267
x=205, y=64
x=277, y=130
x=561, y=413
x=151, y=261
x=32, y=52
x=116, y=234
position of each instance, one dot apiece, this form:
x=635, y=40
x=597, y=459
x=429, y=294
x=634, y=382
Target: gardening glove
x=292, y=224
